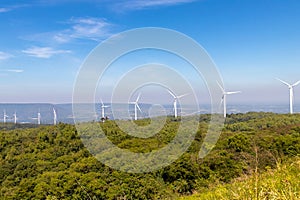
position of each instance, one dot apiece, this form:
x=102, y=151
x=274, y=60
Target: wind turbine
x=4, y=116
x=103, y=109
x=224, y=97
x=15, y=117
x=175, y=101
x=136, y=106
x=291, y=87
x=39, y=118
x=54, y=117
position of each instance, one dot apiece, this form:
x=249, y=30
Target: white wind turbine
x=175, y=101
x=136, y=106
x=39, y=118
x=54, y=117
x=103, y=109
x=4, y=116
x=291, y=87
x=15, y=117
x=224, y=97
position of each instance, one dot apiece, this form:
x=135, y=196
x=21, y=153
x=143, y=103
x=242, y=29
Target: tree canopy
x=51, y=162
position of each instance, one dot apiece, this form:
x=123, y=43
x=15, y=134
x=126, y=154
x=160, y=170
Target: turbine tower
x=103, y=109
x=4, y=116
x=39, y=118
x=224, y=97
x=54, y=117
x=15, y=117
x=175, y=101
x=136, y=106
x=291, y=88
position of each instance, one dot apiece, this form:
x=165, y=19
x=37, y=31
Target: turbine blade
x=137, y=105
x=195, y=112
x=173, y=95
x=233, y=92
x=101, y=102
x=182, y=96
x=221, y=87
x=296, y=83
x=138, y=97
x=284, y=82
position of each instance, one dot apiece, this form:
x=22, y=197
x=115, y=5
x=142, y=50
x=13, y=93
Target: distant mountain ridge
x=27, y=112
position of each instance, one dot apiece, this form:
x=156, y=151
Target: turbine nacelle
x=102, y=104
x=289, y=85
x=177, y=97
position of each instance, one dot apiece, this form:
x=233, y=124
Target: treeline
x=51, y=162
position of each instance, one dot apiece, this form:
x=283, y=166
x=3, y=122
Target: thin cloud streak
x=3, y=10
x=15, y=70
x=44, y=52
x=123, y=4
x=11, y=8
x=4, y=56
x=12, y=70
x=144, y=4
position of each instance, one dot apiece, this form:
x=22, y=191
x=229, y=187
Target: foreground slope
x=281, y=183
x=50, y=162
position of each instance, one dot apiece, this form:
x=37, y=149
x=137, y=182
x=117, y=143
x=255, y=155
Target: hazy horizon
x=27, y=113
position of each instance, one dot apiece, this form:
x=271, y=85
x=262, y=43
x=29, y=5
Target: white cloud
x=44, y=52
x=3, y=10
x=123, y=4
x=84, y=28
x=93, y=28
x=143, y=4
x=61, y=37
x=13, y=70
x=4, y=56
x=12, y=7
x=88, y=28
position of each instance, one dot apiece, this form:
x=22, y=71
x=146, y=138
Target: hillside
x=281, y=183
x=50, y=162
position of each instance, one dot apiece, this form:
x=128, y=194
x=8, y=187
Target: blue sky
x=43, y=43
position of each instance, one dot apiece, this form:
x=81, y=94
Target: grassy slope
x=282, y=183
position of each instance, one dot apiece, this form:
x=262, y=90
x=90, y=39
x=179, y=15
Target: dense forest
x=51, y=162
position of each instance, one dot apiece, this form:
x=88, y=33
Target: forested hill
x=50, y=162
